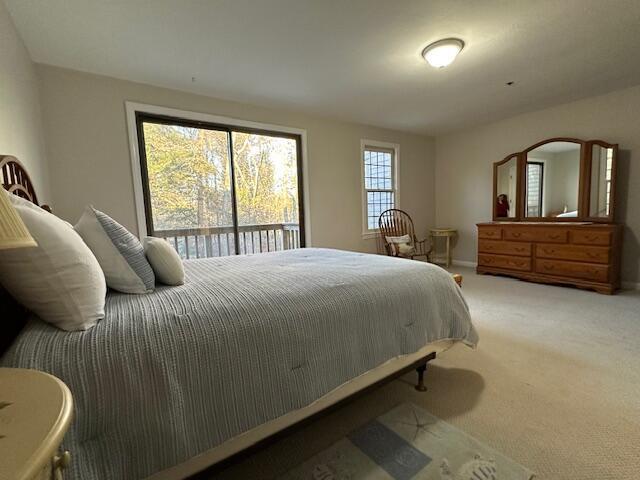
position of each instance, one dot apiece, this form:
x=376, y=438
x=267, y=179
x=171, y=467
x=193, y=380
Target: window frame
x=540, y=164
x=133, y=110
x=375, y=145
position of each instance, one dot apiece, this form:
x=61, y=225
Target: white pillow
x=59, y=280
x=118, y=251
x=401, y=246
x=165, y=261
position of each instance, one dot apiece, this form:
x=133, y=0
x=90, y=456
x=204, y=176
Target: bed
x=177, y=380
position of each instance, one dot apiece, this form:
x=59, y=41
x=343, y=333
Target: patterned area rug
x=409, y=443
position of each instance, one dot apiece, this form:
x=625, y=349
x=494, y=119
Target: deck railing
x=220, y=241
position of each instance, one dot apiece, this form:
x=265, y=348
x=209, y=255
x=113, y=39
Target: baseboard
x=464, y=263
x=630, y=286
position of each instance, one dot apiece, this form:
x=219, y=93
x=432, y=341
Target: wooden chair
x=396, y=223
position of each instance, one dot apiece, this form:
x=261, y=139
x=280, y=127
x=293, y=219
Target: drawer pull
x=60, y=463
x=489, y=234
x=516, y=234
x=519, y=249
x=546, y=266
x=592, y=255
x=548, y=251
x=591, y=238
x=554, y=236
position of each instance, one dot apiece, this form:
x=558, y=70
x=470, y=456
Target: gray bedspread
x=168, y=375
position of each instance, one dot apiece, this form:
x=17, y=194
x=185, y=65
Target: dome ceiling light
x=443, y=52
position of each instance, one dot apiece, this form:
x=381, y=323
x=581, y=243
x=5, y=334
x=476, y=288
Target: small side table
x=35, y=412
x=448, y=234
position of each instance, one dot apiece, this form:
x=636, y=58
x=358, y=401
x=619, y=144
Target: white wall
x=464, y=164
x=562, y=177
x=560, y=180
x=86, y=135
x=20, y=119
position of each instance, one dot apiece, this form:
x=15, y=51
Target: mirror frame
x=587, y=180
x=584, y=186
x=496, y=165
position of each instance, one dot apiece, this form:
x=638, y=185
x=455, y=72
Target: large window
x=379, y=168
x=216, y=190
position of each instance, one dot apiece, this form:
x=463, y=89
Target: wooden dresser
x=585, y=255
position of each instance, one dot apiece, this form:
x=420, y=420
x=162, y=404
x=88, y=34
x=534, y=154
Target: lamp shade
x=443, y=52
x=13, y=232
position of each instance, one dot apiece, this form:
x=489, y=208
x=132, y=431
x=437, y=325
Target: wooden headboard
x=16, y=180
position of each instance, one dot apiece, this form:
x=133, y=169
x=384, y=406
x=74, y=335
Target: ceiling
x=356, y=60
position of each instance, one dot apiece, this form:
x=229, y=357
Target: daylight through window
x=379, y=183
x=216, y=190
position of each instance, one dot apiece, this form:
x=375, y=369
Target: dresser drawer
x=490, y=232
x=574, y=252
x=505, y=261
x=585, y=271
x=591, y=237
x=505, y=248
x=535, y=234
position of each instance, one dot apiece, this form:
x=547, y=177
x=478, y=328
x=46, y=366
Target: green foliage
x=190, y=179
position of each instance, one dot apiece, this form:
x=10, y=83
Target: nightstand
x=35, y=412
x=448, y=234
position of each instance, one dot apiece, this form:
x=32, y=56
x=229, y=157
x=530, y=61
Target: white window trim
x=366, y=232
x=132, y=107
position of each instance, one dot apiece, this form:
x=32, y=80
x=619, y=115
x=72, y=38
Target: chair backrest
x=395, y=223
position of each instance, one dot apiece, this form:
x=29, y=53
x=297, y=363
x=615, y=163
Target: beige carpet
x=554, y=384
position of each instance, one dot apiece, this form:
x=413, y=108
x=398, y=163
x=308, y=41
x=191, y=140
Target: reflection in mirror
x=506, y=193
x=600, y=195
x=552, y=180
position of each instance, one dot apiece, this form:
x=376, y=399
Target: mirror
x=557, y=180
x=506, y=181
x=601, y=194
x=552, y=180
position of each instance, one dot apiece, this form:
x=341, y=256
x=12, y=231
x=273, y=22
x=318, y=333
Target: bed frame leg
x=420, y=386
x=421, y=369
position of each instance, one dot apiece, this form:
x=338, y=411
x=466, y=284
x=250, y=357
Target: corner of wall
x=21, y=129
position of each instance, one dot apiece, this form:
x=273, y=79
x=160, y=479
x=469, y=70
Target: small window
x=609, y=166
x=535, y=178
x=379, y=180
